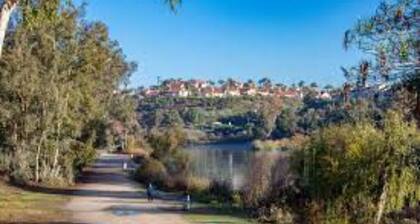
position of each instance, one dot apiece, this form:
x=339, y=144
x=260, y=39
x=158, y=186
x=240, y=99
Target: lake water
x=222, y=161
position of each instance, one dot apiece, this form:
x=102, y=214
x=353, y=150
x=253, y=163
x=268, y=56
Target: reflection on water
x=222, y=162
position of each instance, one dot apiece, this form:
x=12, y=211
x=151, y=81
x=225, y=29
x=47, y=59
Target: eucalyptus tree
x=7, y=7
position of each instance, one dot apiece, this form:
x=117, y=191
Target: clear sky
x=285, y=40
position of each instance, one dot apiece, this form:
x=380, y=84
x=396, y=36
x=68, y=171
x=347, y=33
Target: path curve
x=106, y=196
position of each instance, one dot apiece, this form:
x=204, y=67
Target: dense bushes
x=349, y=173
x=167, y=164
x=152, y=171
x=360, y=168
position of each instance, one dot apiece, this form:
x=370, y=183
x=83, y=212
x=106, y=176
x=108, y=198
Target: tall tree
x=6, y=9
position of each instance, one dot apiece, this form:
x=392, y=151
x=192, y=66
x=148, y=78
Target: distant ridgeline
x=235, y=111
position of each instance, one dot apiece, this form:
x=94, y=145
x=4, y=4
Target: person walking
x=187, y=202
x=150, y=192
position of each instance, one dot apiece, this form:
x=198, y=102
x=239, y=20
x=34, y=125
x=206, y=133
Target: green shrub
x=167, y=143
x=275, y=214
x=137, y=146
x=82, y=154
x=5, y=162
x=21, y=168
x=221, y=190
x=236, y=198
x=152, y=171
x=197, y=184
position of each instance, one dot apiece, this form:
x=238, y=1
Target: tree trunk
x=38, y=155
x=382, y=201
x=5, y=12
x=417, y=110
x=57, y=152
x=38, y=152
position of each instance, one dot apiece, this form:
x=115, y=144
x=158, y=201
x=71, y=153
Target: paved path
x=106, y=195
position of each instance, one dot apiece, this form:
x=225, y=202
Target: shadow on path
x=88, y=193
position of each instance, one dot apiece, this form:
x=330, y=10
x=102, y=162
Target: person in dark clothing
x=150, y=192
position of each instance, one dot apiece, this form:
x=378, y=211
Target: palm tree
x=346, y=92
x=364, y=72
x=328, y=87
x=265, y=81
x=250, y=83
x=314, y=85
x=230, y=83
x=301, y=84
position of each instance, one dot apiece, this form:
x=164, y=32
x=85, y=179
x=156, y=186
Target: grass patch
x=215, y=218
x=215, y=211
x=203, y=213
x=211, y=210
x=18, y=205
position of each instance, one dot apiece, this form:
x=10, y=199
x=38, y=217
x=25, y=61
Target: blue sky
x=285, y=40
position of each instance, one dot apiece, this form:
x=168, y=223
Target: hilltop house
x=264, y=91
x=198, y=84
x=176, y=88
x=208, y=91
x=232, y=88
x=323, y=95
x=249, y=89
x=218, y=92
x=232, y=91
x=293, y=93
x=151, y=92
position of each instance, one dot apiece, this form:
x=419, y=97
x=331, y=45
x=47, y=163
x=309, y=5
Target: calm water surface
x=222, y=161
